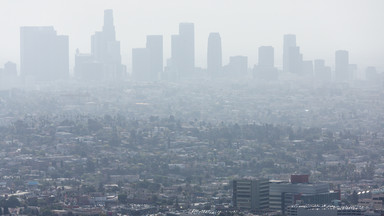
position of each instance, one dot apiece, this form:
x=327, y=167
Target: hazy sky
x=321, y=26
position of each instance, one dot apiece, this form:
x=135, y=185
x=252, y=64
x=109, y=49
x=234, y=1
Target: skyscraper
x=265, y=69
x=341, y=66
x=289, y=42
x=321, y=71
x=106, y=50
x=292, y=58
x=155, y=55
x=44, y=55
x=214, y=55
x=147, y=63
x=295, y=60
x=183, y=51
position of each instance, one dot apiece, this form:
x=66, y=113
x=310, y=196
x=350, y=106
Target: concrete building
x=183, y=51
x=251, y=194
x=321, y=72
x=324, y=210
x=307, y=68
x=283, y=193
x=342, y=66
x=214, y=55
x=44, y=55
x=237, y=67
x=87, y=68
x=290, y=54
x=265, y=69
x=105, y=49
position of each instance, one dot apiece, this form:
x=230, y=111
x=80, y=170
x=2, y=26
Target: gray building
x=324, y=210
x=342, y=66
x=321, y=72
x=237, y=67
x=147, y=63
x=214, y=55
x=251, y=194
x=265, y=69
x=105, y=49
x=183, y=51
x=283, y=194
x=290, y=54
x=44, y=55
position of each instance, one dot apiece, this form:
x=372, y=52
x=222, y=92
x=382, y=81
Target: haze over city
x=321, y=26
x=203, y=107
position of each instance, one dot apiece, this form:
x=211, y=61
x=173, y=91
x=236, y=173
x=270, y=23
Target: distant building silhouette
x=237, y=67
x=87, y=68
x=265, y=69
x=214, y=55
x=105, y=53
x=321, y=72
x=292, y=58
x=8, y=76
x=183, y=51
x=266, y=56
x=155, y=55
x=307, y=68
x=342, y=66
x=10, y=69
x=147, y=63
x=372, y=75
x=44, y=55
x=289, y=42
x=295, y=60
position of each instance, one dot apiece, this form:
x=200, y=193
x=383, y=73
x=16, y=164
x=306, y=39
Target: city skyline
x=318, y=37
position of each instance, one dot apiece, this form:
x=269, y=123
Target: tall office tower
x=214, y=55
x=295, y=60
x=183, y=50
x=251, y=194
x=106, y=50
x=289, y=42
x=265, y=69
x=341, y=66
x=140, y=64
x=155, y=55
x=109, y=27
x=44, y=55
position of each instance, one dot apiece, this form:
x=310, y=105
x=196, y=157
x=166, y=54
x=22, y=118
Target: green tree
x=13, y=202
